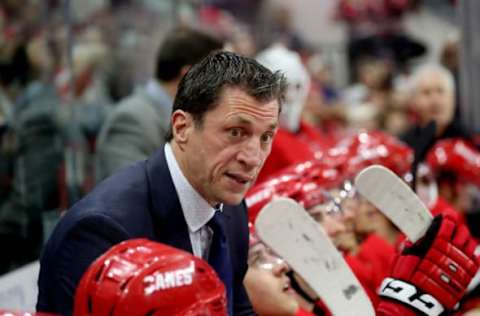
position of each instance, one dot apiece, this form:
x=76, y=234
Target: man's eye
x=318, y=217
x=266, y=138
x=235, y=132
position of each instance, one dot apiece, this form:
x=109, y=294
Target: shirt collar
x=195, y=208
x=158, y=94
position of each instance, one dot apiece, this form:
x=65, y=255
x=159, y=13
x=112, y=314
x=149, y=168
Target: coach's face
x=434, y=100
x=222, y=156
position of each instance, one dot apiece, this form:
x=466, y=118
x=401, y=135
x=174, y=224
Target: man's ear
x=182, y=126
x=184, y=70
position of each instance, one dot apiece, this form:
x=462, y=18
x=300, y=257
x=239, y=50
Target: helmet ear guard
x=142, y=277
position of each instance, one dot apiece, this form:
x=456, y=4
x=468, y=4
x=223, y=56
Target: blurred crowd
x=82, y=95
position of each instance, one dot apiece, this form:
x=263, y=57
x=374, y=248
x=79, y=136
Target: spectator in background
x=30, y=139
x=275, y=25
x=236, y=35
x=433, y=99
x=324, y=109
x=449, y=59
x=376, y=31
x=137, y=126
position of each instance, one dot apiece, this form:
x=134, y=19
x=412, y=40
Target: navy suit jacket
x=139, y=201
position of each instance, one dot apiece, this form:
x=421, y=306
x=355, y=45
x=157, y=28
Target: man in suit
x=189, y=194
x=138, y=125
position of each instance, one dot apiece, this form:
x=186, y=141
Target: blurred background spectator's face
x=374, y=73
x=434, y=99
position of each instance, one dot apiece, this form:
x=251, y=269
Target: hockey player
x=373, y=261
x=318, y=188
x=456, y=165
x=267, y=283
x=295, y=140
x=142, y=277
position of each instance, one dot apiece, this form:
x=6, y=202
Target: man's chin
x=233, y=199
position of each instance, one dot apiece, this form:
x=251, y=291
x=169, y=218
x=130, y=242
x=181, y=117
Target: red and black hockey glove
x=431, y=276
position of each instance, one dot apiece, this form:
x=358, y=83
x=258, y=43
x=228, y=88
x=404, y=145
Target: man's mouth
x=242, y=179
x=286, y=287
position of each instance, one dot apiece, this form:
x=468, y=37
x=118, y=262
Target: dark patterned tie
x=219, y=256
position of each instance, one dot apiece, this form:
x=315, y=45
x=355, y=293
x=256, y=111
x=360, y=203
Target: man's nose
x=337, y=226
x=348, y=214
x=251, y=154
x=280, y=267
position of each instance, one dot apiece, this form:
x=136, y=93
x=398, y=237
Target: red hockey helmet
x=457, y=156
x=374, y=147
x=142, y=277
x=305, y=182
x=283, y=184
x=316, y=187
x=288, y=182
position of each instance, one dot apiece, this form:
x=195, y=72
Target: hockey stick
x=394, y=198
x=288, y=230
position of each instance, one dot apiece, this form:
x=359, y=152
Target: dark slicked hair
x=200, y=89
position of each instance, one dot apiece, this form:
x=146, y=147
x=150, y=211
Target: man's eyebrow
x=245, y=121
x=272, y=126
x=242, y=120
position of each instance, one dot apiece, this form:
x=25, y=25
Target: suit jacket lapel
x=169, y=221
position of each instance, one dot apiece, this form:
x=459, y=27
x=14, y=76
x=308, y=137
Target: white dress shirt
x=196, y=210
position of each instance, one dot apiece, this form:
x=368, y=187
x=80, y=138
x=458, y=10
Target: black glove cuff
x=421, y=247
